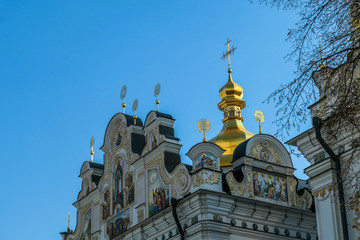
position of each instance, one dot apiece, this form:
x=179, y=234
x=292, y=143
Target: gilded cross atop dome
x=228, y=53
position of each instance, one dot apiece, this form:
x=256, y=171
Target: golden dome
x=231, y=88
x=233, y=132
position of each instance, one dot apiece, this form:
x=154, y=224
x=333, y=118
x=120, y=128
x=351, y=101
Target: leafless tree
x=326, y=49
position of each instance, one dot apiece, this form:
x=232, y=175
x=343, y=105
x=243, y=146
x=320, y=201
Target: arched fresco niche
x=118, y=193
x=86, y=229
x=86, y=187
x=117, y=139
x=153, y=141
x=129, y=188
x=106, y=204
x=158, y=193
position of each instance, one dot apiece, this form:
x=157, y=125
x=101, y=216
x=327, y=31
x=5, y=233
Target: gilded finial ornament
x=122, y=96
x=134, y=108
x=204, y=126
x=230, y=50
x=260, y=118
x=68, y=227
x=156, y=94
x=92, y=149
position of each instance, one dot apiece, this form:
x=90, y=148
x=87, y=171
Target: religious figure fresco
x=118, y=140
x=130, y=189
x=106, y=205
x=118, y=224
x=205, y=160
x=158, y=194
x=270, y=186
x=153, y=142
x=118, y=195
x=265, y=155
x=86, y=230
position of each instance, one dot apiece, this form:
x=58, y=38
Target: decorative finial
x=68, y=227
x=260, y=118
x=92, y=148
x=322, y=60
x=122, y=96
x=227, y=53
x=204, y=126
x=156, y=94
x=134, y=108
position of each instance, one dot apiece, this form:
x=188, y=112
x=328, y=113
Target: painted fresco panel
x=270, y=186
x=205, y=160
x=86, y=230
x=118, y=224
x=118, y=195
x=158, y=194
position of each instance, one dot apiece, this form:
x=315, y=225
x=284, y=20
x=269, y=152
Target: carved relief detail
x=249, y=182
x=181, y=182
x=292, y=192
x=323, y=193
x=236, y=188
x=140, y=215
x=204, y=177
x=305, y=201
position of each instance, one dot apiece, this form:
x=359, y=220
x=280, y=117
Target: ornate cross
x=228, y=52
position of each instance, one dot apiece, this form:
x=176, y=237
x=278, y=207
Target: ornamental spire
x=92, y=149
x=233, y=132
x=68, y=227
x=156, y=94
x=134, y=108
x=122, y=96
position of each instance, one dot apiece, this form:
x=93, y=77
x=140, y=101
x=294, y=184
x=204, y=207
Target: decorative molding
x=140, y=174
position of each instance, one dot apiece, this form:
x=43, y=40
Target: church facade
x=240, y=185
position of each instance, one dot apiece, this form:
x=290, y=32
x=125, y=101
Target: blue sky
x=62, y=66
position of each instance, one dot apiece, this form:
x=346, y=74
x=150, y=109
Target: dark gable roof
x=168, y=132
x=171, y=160
x=240, y=150
x=96, y=165
x=188, y=167
x=137, y=143
x=164, y=115
x=95, y=179
x=130, y=120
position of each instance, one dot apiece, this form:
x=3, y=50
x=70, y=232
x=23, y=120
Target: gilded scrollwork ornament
x=249, y=182
x=236, y=188
x=202, y=177
x=323, y=193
